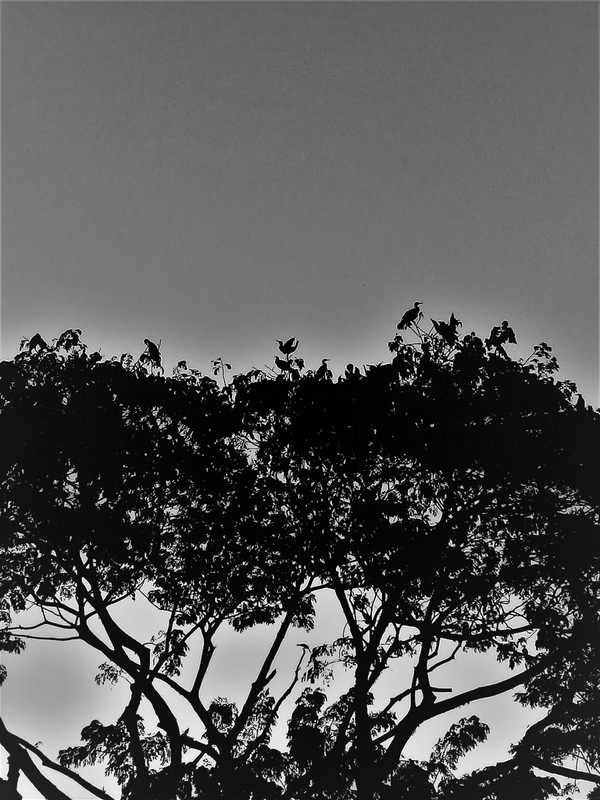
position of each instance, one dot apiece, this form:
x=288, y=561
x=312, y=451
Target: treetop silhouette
x=446, y=500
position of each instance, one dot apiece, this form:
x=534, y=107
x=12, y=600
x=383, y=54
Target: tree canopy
x=446, y=500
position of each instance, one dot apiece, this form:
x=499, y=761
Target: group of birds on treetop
x=288, y=365
x=448, y=331
x=291, y=366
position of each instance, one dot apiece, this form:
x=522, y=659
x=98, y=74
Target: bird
x=285, y=366
x=352, y=372
x=288, y=347
x=409, y=317
x=447, y=330
x=580, y=404
x=153, y=352
x=443, y=329
x=324, y=373
x=500, y=335
x=454, y=323
x=70, y=338
x=508, y=333
x=37, y=341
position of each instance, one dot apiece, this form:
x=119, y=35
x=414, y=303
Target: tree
x=448, y=501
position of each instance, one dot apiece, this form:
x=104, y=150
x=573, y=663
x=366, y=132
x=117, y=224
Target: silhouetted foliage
x=446, y=502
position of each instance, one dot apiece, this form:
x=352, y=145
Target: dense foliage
x=447, y=501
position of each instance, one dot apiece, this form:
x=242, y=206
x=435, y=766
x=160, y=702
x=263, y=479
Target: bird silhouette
x=500, y=335
x=508, y=333
x=352, y=372
x=70, y=338
x=447, y=330
x=454, y=323
x=285, y=366
x=410, y=317
x=324, y=373
x=36, y=341
x=153, y=352
x=288, y=347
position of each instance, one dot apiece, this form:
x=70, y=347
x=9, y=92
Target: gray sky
x=218, y=175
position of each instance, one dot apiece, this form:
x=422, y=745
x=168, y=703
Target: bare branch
x=565, y=772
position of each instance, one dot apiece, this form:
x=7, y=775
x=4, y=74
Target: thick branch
x=273, y=714
x=129, y=717
x=565, y=772
x=64, y=771
x=350, y=619
x=262, y=679
x=139, y=673
x=208, y=649
x=402, y=732
x=25, y=764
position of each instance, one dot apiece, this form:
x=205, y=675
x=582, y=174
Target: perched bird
x=36, y=341
x=447, y=330
x=70, y=338
x=454, y=323
x=352, y=372
x=508, y=333
x=580, y=404
x=324, y=373
x=288, y=347
x=500, y=335
x=410, y=316
x=153, y=352
x=285, y=366
x=443, y=329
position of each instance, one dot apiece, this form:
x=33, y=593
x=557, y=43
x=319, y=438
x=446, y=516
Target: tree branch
x=564, y=772
x=263, y=677
x=17, y=749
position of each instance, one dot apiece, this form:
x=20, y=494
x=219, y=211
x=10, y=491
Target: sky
x=216, y=176
x=219, y=175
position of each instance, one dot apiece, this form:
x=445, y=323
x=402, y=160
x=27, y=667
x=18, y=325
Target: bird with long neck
x=410, y=317
x=324, y=373
x=153, y=352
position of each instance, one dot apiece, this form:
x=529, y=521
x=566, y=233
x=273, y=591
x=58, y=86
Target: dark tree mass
x=445, y=501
